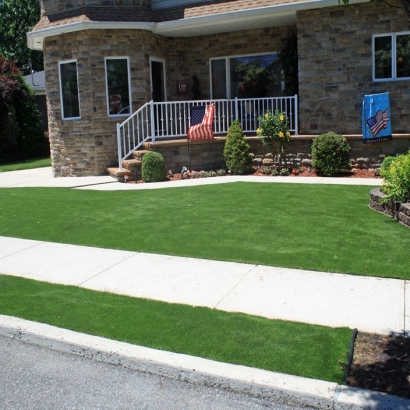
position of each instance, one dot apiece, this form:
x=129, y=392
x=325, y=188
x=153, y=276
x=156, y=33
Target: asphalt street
x=33, y=377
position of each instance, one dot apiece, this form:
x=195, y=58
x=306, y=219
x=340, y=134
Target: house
x=36, y=81
x=105, y=59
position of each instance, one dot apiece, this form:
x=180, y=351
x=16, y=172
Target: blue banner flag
x=376, y=124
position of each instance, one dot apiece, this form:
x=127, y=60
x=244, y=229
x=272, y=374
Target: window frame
x=228, y=69
x=129, y=85
x=60, y=63
x=393, y=37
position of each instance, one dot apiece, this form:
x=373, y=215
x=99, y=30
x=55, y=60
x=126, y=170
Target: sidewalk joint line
x=404, y=307
x=240, y=281
x=115, y=264
x=22, y=250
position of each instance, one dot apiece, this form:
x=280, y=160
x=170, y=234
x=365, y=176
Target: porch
x=161, y=121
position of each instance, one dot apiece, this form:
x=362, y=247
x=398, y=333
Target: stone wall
x=196, y=52
x=208, y=155
x=396, y=210
x=335, y=67
x=88, y=145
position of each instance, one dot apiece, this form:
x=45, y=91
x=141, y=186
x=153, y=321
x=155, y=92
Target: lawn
x=318, y=227
x=286, y=347
x=27, y=164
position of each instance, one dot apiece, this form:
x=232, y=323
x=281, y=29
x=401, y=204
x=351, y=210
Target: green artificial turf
x=27, y=164
x=286, y=347
x=317, y=227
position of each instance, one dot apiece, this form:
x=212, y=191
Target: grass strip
x=326, y=228
x=286, y=347
x=27, y=164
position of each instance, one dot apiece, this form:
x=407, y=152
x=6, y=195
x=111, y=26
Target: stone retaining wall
x=396, y=210
x=208, y=155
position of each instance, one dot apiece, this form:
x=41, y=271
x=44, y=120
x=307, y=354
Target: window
x=254, y=76
x=391, y=56
x=70, y=102
x=117, y=74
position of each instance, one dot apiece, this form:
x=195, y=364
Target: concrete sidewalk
x=369, y=304
x=42, y=177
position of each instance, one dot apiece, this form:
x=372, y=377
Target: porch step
x=131, y=163
x=118, y=174
x=139, y=153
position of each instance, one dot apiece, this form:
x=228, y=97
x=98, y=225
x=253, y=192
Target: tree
x=17, y=18
x=405, y=4
x=21, y=131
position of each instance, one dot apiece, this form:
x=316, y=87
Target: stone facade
x=87, y=146
x=335, y=67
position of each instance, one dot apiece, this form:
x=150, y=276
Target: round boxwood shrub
x=330, y=154
x=153, y=167
x=236, y=150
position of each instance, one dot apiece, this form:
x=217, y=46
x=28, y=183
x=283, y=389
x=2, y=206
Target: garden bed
x=396, y=210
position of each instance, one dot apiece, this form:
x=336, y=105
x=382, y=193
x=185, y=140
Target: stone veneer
x=335, y=67
x=208, y=155
x=87, y=146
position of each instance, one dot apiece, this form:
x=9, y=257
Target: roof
x=181, y=21
x=36, y=81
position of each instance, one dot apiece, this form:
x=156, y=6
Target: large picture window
x=70, y=102
x=391, y=56
x=117, y=73
x=253, y=76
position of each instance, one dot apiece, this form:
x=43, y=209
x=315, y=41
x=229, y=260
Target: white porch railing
x=172, y=119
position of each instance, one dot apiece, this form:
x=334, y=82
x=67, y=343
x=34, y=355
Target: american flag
x=379, y=121
x=201, y=123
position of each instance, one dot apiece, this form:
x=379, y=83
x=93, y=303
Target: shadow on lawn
x=381, y=363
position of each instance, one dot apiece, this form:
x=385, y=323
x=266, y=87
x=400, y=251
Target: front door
x=158, y=93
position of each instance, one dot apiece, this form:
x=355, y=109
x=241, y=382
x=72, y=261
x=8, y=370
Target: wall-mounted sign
x=182, y=87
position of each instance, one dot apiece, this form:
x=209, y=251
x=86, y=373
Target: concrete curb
x=282, y=388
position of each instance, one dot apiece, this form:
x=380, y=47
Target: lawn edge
x=282, y=388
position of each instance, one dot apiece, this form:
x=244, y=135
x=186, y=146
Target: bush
x=385, y=165
x=153, y=167
x=396, y=178
x=236, y=150
x=330, y=154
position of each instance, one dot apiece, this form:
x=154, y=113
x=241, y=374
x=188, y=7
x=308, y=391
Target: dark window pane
x=218, y=75
x=69, y=90
x=403, y=55
x=383, y=57
x=255, y=76
x=118, y=86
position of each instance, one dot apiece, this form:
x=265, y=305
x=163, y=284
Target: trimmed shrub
x=236, y=150
x=153, y=167
x=330, y=154
x=396, y=178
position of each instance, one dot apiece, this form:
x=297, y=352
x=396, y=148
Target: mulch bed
x=304, y=172
x=381, y=363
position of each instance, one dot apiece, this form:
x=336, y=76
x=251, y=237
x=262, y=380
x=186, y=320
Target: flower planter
x=397, y=210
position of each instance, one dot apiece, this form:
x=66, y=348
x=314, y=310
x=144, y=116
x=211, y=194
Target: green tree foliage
x=21, y=130
x=17, y=18
x=236, y=150
x=330, y=154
